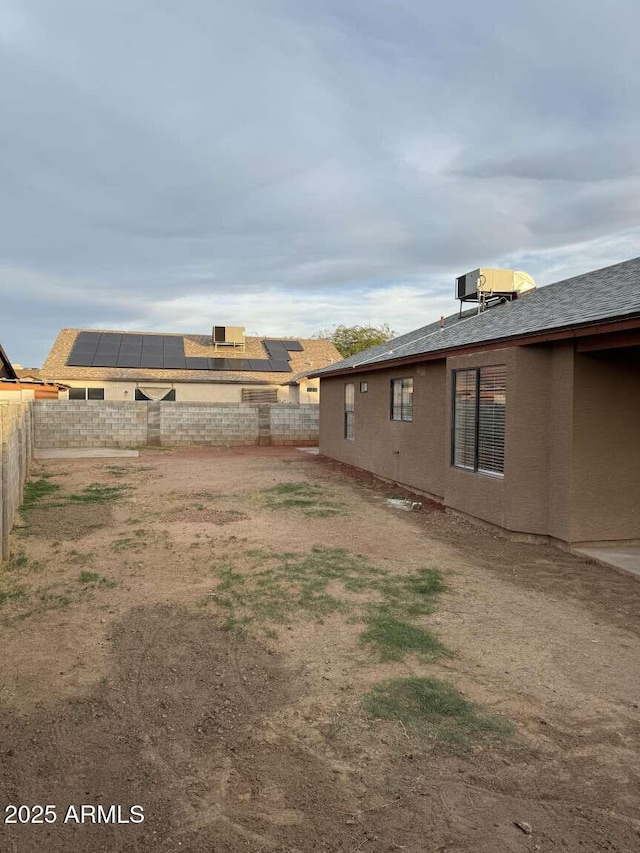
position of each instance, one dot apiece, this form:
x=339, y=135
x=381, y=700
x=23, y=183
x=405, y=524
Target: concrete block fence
x=105, y=423
x=16, y=448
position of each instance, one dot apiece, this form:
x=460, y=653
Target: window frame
x=364, y=386
x=405, y=410
x=349, y=411
x=477, y=450
x=85, y=389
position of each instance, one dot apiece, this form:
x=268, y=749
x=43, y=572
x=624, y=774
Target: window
x=140, y=395
x=478, y=419
x=86, y=393
x=364, y=387
x=349, y=410
x=402, y=399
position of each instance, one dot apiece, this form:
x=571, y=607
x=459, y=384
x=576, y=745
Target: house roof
x=310, y=355
x=603, y=295
x=6, y=368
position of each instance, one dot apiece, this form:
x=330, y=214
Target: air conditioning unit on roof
x=225, y=337
x=483, y=284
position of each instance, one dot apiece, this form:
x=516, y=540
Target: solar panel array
x=110, y=349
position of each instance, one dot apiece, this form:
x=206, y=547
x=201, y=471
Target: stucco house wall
x=572, y=448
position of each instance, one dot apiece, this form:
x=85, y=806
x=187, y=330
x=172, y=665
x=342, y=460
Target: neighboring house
x=7, y=370
x=525, y=415
x=15, y=387
x=225, y=366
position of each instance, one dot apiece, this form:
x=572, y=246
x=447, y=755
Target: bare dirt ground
x=128, y=676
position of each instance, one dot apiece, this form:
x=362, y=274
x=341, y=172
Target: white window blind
x=478, y=434
x=464, y=419
x=491, y=420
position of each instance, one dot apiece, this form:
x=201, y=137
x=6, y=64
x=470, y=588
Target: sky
x=289, y=165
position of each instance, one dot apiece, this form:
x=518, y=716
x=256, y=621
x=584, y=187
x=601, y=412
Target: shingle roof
x=7, y=370
x=605, y=294
x=315, y=354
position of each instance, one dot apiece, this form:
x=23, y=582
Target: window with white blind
x=402, y=399
x=349, y=410
x=478, y=419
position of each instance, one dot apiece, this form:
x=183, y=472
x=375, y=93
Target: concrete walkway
x=82, y=453
x=626, y=558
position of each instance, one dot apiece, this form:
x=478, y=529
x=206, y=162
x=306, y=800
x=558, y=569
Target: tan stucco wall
x=186, y=392
x=572, y=442
x=409, y=453
x=606, y=448
x=534, y=494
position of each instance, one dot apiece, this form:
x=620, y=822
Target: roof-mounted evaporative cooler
x=225, y=337
x=486, y=285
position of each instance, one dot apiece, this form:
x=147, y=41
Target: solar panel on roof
x=104, y=359
x=114, y=349
x=174, y=362
x=177, y=339
x=151, y=360
x=128, y=360
x=197, y=363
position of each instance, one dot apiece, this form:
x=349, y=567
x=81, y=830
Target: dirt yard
x=256, y=649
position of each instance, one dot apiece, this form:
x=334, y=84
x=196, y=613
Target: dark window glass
x=349, y=410
x=77, y=393
x=170, y=396
x=95, y=393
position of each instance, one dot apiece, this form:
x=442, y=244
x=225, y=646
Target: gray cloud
x=151, y=150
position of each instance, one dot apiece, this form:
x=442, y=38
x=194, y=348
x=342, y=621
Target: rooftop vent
x=485, y=286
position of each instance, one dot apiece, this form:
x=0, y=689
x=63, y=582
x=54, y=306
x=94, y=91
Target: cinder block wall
x=103, y=423
x=297, y=425
x=91, y=423
x=184, y=424
x=16, y=444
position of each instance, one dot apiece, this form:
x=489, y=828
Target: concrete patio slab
x=82, y=453
x=626, y=558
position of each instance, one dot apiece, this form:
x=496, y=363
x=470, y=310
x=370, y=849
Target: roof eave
x=566, y=333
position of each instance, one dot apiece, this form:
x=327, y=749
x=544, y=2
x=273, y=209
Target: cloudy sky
x=288, y=165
